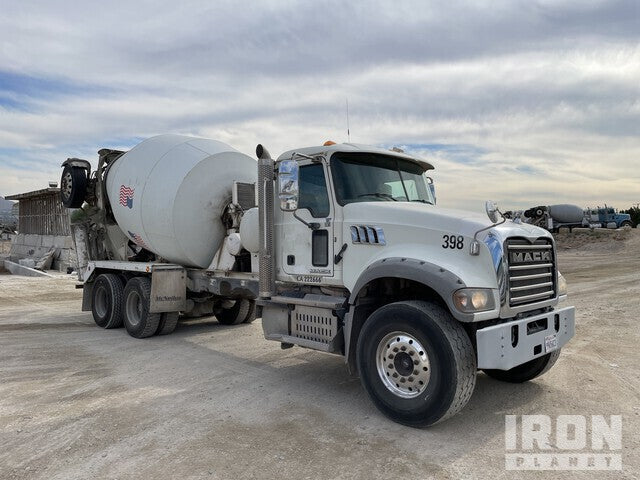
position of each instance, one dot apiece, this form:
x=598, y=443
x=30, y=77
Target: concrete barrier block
x=59, y=241
x=68, y=242
x=47, y=240
x=21, y=250
x=32, y=240
x=17, y=269
x=27, y=262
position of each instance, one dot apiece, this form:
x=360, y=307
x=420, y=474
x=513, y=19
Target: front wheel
x=626, y=223
x=527, y=371
x=416, y=363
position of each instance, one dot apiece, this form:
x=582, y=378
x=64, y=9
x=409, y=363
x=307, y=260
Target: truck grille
x=532, y=272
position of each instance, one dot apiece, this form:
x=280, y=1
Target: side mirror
x=288, y=175
x=432, y=188
x=492, y=210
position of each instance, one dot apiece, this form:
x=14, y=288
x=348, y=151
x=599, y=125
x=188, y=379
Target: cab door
x=306, y=251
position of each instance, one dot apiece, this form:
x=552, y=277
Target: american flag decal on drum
x=126, y=196
x=137, y=239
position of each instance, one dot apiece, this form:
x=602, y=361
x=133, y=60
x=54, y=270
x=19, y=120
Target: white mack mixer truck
x=338, y=248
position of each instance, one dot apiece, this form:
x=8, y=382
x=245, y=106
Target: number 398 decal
x=453, y=242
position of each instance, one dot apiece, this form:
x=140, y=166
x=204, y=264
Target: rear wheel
x=73, y=186
x=626, y=223
x=138, y=321
x=251, y=316
x=107, y=300
x=416, y=363
x=526, y=371
x=168, y=322
x=236, y=314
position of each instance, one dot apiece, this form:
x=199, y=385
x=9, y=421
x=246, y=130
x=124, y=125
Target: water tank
x=566, y=213
x=168, y=192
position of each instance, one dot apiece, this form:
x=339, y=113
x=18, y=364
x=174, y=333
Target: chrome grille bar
x=530, y=247
x=535, y=296
x=533, y=277
x=528, y=287
x=531, y=267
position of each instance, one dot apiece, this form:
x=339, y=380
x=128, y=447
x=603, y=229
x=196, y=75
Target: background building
x=43, y=225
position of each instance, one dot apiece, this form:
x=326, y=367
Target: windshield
x=370, y=177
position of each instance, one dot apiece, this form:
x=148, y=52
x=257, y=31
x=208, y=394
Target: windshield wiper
x=379, y=195
x=423, y=201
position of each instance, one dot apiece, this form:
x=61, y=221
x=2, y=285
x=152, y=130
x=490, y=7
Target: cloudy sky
x=526, y=103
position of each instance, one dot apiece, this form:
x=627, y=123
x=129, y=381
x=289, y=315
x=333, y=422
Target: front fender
x=441, y=280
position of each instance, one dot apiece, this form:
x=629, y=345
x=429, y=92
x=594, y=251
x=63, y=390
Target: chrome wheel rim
x=134, y=308
x=403, y=364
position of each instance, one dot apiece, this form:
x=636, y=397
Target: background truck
x=340, y=248
x=608, y=217
x=553, y=217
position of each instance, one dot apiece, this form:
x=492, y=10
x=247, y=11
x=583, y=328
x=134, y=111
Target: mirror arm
x=474, y=248
x=312, y=225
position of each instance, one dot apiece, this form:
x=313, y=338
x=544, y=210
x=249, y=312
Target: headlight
x=562, y=285
x=471, y=300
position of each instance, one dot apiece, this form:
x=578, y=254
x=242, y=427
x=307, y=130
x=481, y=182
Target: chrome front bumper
x=513, y=343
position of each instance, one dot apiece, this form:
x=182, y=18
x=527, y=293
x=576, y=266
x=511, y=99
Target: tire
x=251, y=316
x=137, y=319
x=625, y=224
x=526, y=371
x=433, y=362
x=168, y=322
x=107, y=300
x=236, y=314
x=73, y=186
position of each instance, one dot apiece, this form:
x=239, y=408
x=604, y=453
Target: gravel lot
x=211, y=401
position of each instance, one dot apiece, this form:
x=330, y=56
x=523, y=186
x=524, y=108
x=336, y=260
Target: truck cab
x=414, y=296
x=332, y=184
x=610, y=218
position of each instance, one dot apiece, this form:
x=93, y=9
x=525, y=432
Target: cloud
x=524, y=102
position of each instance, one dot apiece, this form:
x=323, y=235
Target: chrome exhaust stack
x=266, y=277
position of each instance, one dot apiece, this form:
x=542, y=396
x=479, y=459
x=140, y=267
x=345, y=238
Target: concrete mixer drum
x=168, y=193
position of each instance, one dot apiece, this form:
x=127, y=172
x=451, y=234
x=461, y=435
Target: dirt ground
x=212, y=401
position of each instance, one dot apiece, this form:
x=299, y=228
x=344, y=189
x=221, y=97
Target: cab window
x=313, y=190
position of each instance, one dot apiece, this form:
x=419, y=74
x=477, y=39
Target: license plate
x=550, y=343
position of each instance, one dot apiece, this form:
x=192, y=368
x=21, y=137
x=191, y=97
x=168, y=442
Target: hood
x=461, y=222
